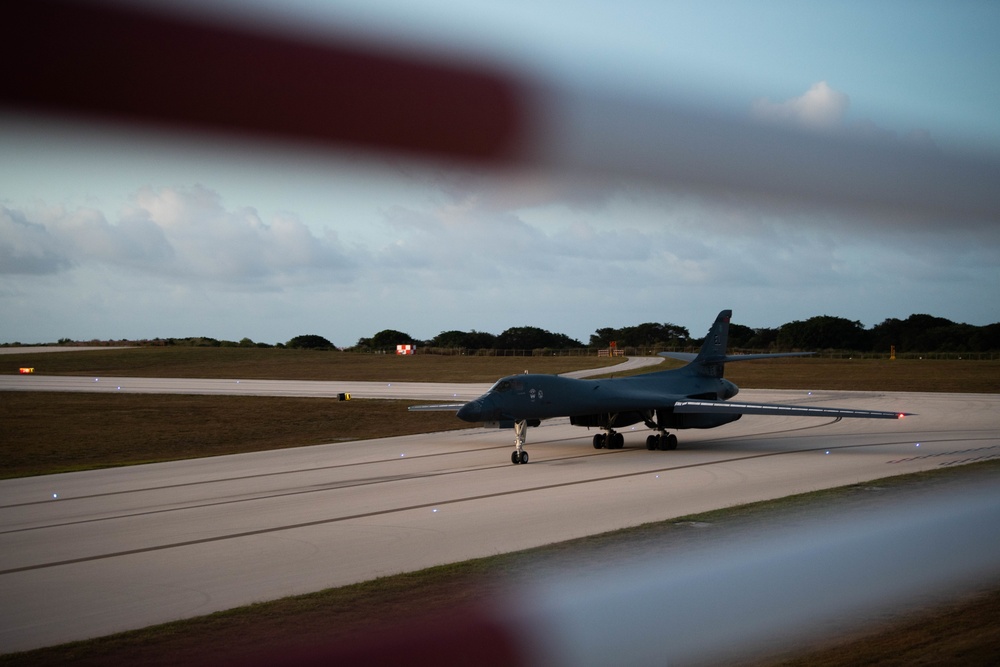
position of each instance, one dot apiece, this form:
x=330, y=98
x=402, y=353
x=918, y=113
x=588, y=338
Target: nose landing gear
x=520, y=437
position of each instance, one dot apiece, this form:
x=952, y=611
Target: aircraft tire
x=617, y=441
x=524, y=457
x=671, y=442
x=651, y=442
x=514, y=458
x=599, y=441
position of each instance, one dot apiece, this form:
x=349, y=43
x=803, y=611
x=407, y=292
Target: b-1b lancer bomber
x=693, y=396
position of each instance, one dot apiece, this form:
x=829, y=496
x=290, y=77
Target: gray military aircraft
x=693, y=396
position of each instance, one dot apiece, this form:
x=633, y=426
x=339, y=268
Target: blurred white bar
x=764, y=592
x=674, y=144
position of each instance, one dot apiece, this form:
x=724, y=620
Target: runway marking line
x=320, y=522
x=409, y=458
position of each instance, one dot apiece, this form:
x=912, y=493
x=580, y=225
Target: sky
x=112, y=233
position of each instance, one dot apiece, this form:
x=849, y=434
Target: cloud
x=821, y=107
x=639, y=251
x=484, y=253
x=26, y=247
x=648, y=244
x=183, y=233
x=519, y=190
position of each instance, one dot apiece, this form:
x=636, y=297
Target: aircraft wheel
x=514, y=458
x=651, y=442
x=524, y=456
x=599, y=441
x=617, y=441
x=671, y=442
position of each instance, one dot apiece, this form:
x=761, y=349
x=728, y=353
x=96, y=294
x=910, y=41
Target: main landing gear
x=663, y=441
x=610, y=440
x=613, y=440
x=520, y=437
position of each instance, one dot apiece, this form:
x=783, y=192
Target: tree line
x=917, y=333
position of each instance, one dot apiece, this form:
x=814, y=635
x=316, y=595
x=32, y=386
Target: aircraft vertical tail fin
x=711, y=360
x=717, y=339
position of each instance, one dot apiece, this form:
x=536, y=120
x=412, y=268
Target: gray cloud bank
x=176, y=232
x=486, y=252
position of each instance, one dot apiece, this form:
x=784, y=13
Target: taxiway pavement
x=91, y=553
x=423, y=391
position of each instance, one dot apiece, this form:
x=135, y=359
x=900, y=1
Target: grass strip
x=51, y=432
x=278, y=364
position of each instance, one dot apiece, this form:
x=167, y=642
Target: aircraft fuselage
x=536, y=397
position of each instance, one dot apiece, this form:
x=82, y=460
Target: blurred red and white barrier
x=765, y=592
x=97, y=61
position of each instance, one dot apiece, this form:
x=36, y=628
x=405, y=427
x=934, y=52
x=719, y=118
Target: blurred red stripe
x=468, y=636
x=118, y=62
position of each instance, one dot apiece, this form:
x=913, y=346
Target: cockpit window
x=501, y=386
x=506, y=385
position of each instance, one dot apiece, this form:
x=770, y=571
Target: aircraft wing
x=738, y=407
x=691, y=356
x=437, y=407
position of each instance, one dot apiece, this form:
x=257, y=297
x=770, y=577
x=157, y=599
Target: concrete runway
x=87, y=554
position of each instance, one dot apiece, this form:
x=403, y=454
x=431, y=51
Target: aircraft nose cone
x=470, y=411
x=474, y=411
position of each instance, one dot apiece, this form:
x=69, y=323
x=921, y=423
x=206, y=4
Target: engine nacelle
x=604, y=419
x=509, y=423
x=692, y=420
x=728, y=390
